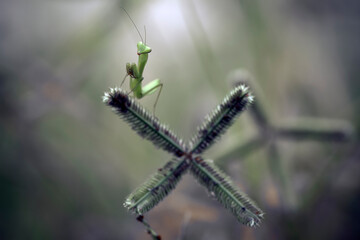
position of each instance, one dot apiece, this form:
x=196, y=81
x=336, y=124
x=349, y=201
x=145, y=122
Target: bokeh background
x=67, y=162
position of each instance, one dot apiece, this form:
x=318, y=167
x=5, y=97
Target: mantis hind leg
x=150, y=88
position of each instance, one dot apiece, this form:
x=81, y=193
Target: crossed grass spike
x=187, y=157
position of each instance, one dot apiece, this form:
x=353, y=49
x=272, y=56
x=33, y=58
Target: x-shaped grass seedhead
x=187, y=157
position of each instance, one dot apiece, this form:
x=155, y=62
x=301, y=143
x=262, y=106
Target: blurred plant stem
x=315, y=129
x=203, y=47
x=184, y=225
x=149, y=229
x=327, y=176
x=301, y=129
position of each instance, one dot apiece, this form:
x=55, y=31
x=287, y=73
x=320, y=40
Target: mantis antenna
x=145, y=33
x=134, y=25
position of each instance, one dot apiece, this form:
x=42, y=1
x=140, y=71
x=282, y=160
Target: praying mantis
x=136, y=71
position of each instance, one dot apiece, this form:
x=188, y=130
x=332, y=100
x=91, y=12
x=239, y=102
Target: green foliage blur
x=67, y=161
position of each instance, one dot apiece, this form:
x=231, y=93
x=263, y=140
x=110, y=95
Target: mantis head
x=142, y=48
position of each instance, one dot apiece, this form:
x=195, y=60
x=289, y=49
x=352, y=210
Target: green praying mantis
x=136, y=71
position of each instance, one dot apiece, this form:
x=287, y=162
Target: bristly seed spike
x=217, y=122
x=206, y=172
x=145, y=124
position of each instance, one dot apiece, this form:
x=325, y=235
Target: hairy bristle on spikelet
x=157, y=187
x=219, y=185
x=144, y=123
x=221, y=119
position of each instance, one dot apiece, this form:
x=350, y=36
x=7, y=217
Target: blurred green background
x=67, y=162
